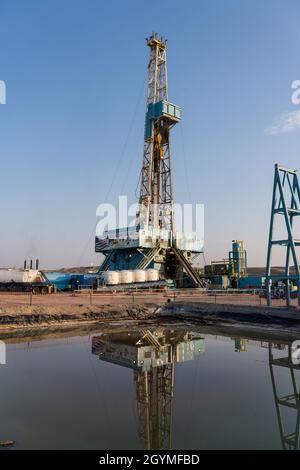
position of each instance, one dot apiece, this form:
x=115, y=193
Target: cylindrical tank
x=111, y=277
x=152, y=275
x=18, y=275
x=126, y=277
x=139, y=275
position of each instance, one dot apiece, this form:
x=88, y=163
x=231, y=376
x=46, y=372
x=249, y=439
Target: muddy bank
x=207, y=314
x=29, y=316
x=196, y=312
x=66, y=330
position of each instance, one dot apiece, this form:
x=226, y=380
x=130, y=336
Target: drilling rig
x=153, y=242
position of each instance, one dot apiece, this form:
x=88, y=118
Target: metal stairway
x=149, y=257
x=104, y=266
x=152, y=339
x=188, y=267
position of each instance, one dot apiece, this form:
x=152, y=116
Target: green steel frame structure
x=286, y=203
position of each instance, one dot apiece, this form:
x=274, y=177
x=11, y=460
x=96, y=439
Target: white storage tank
x=126, y=277
x=152, y=275
x=18, y=275
x=139, y=275
x=111, y=277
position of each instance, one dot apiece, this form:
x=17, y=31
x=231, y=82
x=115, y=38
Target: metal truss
x=289, y=440
x=156, y=189
x=286, y=203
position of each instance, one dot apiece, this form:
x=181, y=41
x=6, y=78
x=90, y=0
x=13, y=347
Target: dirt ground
x=128, y=299
x=18, y=310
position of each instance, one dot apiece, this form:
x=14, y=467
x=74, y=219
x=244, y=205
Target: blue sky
x=75, y=74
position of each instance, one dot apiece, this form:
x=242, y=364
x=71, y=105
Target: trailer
x=134, y=286
x=25, y=280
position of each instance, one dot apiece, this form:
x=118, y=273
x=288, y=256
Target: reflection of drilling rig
x=154, y=397
x=152, y=356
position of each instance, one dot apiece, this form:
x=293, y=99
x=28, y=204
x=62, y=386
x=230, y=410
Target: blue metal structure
x=286, y=203
x=160, y=110
x=252, y=282
x=238, y=259
x=72, y=281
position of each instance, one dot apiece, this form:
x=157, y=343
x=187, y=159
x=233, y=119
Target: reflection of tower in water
x=152, y=355
x=283, y=402
x=286, y=402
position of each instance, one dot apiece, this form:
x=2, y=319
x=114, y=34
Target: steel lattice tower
x=152, y=242
x=156, y=191
x=286, y=203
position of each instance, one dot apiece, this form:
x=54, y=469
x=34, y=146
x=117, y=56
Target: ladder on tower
x=188, y=267
x=149, y=257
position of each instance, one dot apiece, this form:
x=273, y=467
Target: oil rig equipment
x=153, y=242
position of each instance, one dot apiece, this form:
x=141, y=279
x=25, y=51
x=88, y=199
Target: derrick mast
x=151, y=242
x=156, y=190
